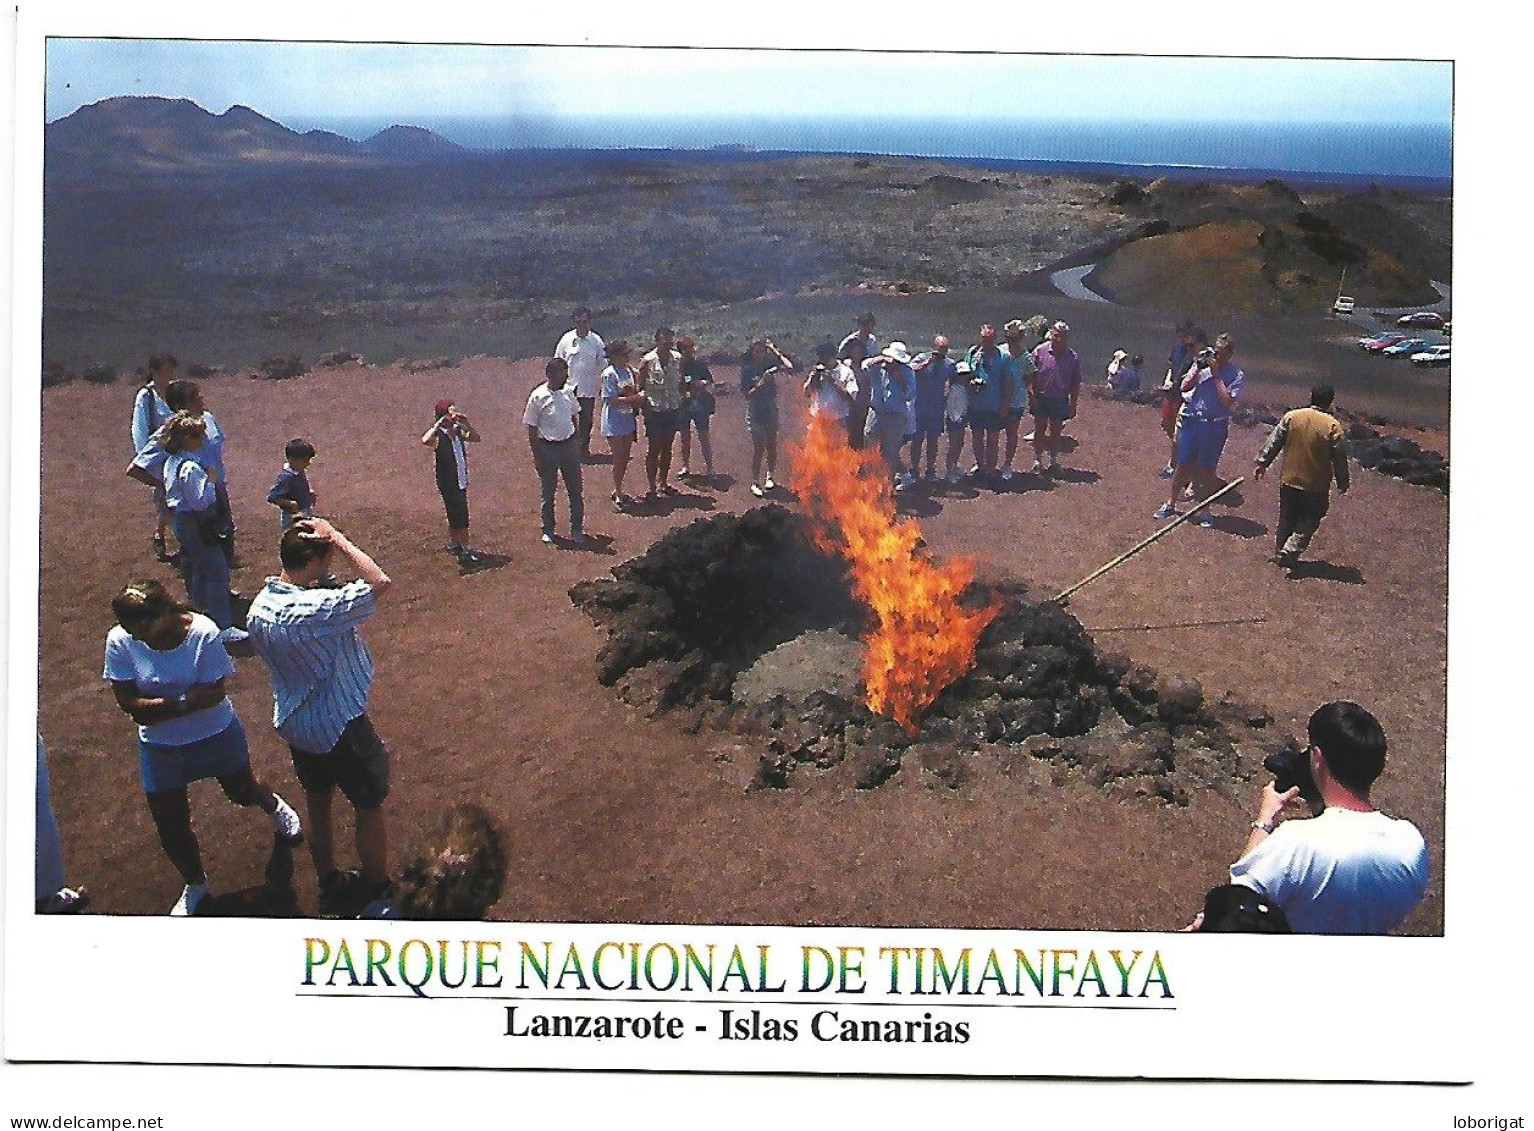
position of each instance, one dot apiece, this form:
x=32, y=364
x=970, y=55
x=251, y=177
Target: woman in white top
x=191, y=492
x=167, y=667
x=621, y=400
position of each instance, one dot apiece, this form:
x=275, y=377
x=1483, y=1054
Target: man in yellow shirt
x=1311, y=441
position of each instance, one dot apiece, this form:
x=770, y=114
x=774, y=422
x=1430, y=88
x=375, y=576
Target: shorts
x=358, y=764
x=1012, y=416
x=929, y=424
x=456, y=501
x=985, y=420
x=1200, y=442
x=1051, y=408
x=658, y=424
x=163, y=768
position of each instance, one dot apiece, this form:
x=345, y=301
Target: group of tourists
x=167, y=660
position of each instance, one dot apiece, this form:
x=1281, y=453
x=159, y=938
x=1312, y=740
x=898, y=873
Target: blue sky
x=308, y=84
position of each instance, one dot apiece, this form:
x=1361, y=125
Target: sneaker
x=548, y=538
x=683, y=474
x=668, y=489
x=1036, y=469
x=1166, y=472
x=618, y=503
x=578, y=538
x=290, y=830
x=1204, y=519
x=454, y=548
x=160, y=556
x=191, y=896
x=768, y=484
x=974, y=471
x=756, y=489
x=65, y=901
x=900, y=484
x=1006, y=474
x=1286, y=560
x=472, y=558
x=1028, y=439
x=232, y=635
x=1166, y=510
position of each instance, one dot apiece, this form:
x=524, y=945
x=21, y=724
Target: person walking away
x=191, y=494
x=583, y=351
x=309, y=636
x=551, y=418
x=1209, y=393
x=150, y=412
x=51, y=896
x=446, y=438
x=759, y=371
x=621, y=402
x=1055, y=387
x=167, y=666
x=934, y=374
x=1311, y=442
x=698, y=405
x=292, y=494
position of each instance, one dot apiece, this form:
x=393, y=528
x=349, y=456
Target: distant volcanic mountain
x=153, y=135
x=1263, y=249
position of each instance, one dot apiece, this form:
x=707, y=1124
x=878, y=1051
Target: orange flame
x=924, y=639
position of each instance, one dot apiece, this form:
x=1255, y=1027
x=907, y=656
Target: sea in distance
x=1406, y=155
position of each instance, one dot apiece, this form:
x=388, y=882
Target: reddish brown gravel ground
x=486, y=689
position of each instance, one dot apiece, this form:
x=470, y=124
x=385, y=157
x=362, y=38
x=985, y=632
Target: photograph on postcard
x=962, y=492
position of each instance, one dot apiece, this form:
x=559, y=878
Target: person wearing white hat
x=892, y=393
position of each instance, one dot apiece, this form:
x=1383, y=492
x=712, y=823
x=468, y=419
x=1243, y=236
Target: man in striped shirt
x=308, y=635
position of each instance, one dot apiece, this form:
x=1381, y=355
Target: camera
x=1205, y=357
x=1290, y=767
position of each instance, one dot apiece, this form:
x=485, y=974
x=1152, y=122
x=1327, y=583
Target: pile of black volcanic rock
x=714, y=606
x=1399, y=456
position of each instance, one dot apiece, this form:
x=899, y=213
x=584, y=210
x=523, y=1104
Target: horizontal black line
x=759, y=1002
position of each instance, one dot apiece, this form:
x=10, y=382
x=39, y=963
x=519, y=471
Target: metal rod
x=1179, y=624
x=1127, y=554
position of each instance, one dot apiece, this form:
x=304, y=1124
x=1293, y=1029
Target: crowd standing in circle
x=168, y=664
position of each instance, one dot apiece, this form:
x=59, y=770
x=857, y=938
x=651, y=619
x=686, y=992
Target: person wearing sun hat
x=891, y=394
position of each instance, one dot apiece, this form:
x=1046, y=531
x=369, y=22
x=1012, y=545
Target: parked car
x=1408, y=346
x=1380, y=341
x=1433, y=355
x=1430, y=318
x=1343, y=305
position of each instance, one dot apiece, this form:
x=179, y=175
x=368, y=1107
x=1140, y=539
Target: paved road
x=1068, y=283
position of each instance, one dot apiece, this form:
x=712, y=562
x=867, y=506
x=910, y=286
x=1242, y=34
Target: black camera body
x=1205, y=358
x=1290, y=767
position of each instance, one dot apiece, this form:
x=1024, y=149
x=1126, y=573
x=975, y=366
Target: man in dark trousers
x=1311, y=440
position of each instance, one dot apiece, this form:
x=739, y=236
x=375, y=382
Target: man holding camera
x=1209, y=392
x=831, y=386
x=1350, y=870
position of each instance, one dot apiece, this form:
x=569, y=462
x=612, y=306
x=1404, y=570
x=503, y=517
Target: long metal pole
x=1127, y=554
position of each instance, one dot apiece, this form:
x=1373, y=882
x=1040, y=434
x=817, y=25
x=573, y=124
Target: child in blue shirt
x=291, y=494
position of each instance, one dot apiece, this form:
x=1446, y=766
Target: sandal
x=65, y=901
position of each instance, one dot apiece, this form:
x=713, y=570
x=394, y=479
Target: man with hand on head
x=309, y=637
x=1351, y=870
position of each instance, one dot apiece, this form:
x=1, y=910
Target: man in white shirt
x=585, y=353
x=831, y=386
x=552, y=417
x=1352, y=870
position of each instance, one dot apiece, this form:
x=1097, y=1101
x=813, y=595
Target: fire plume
x=924, y=639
